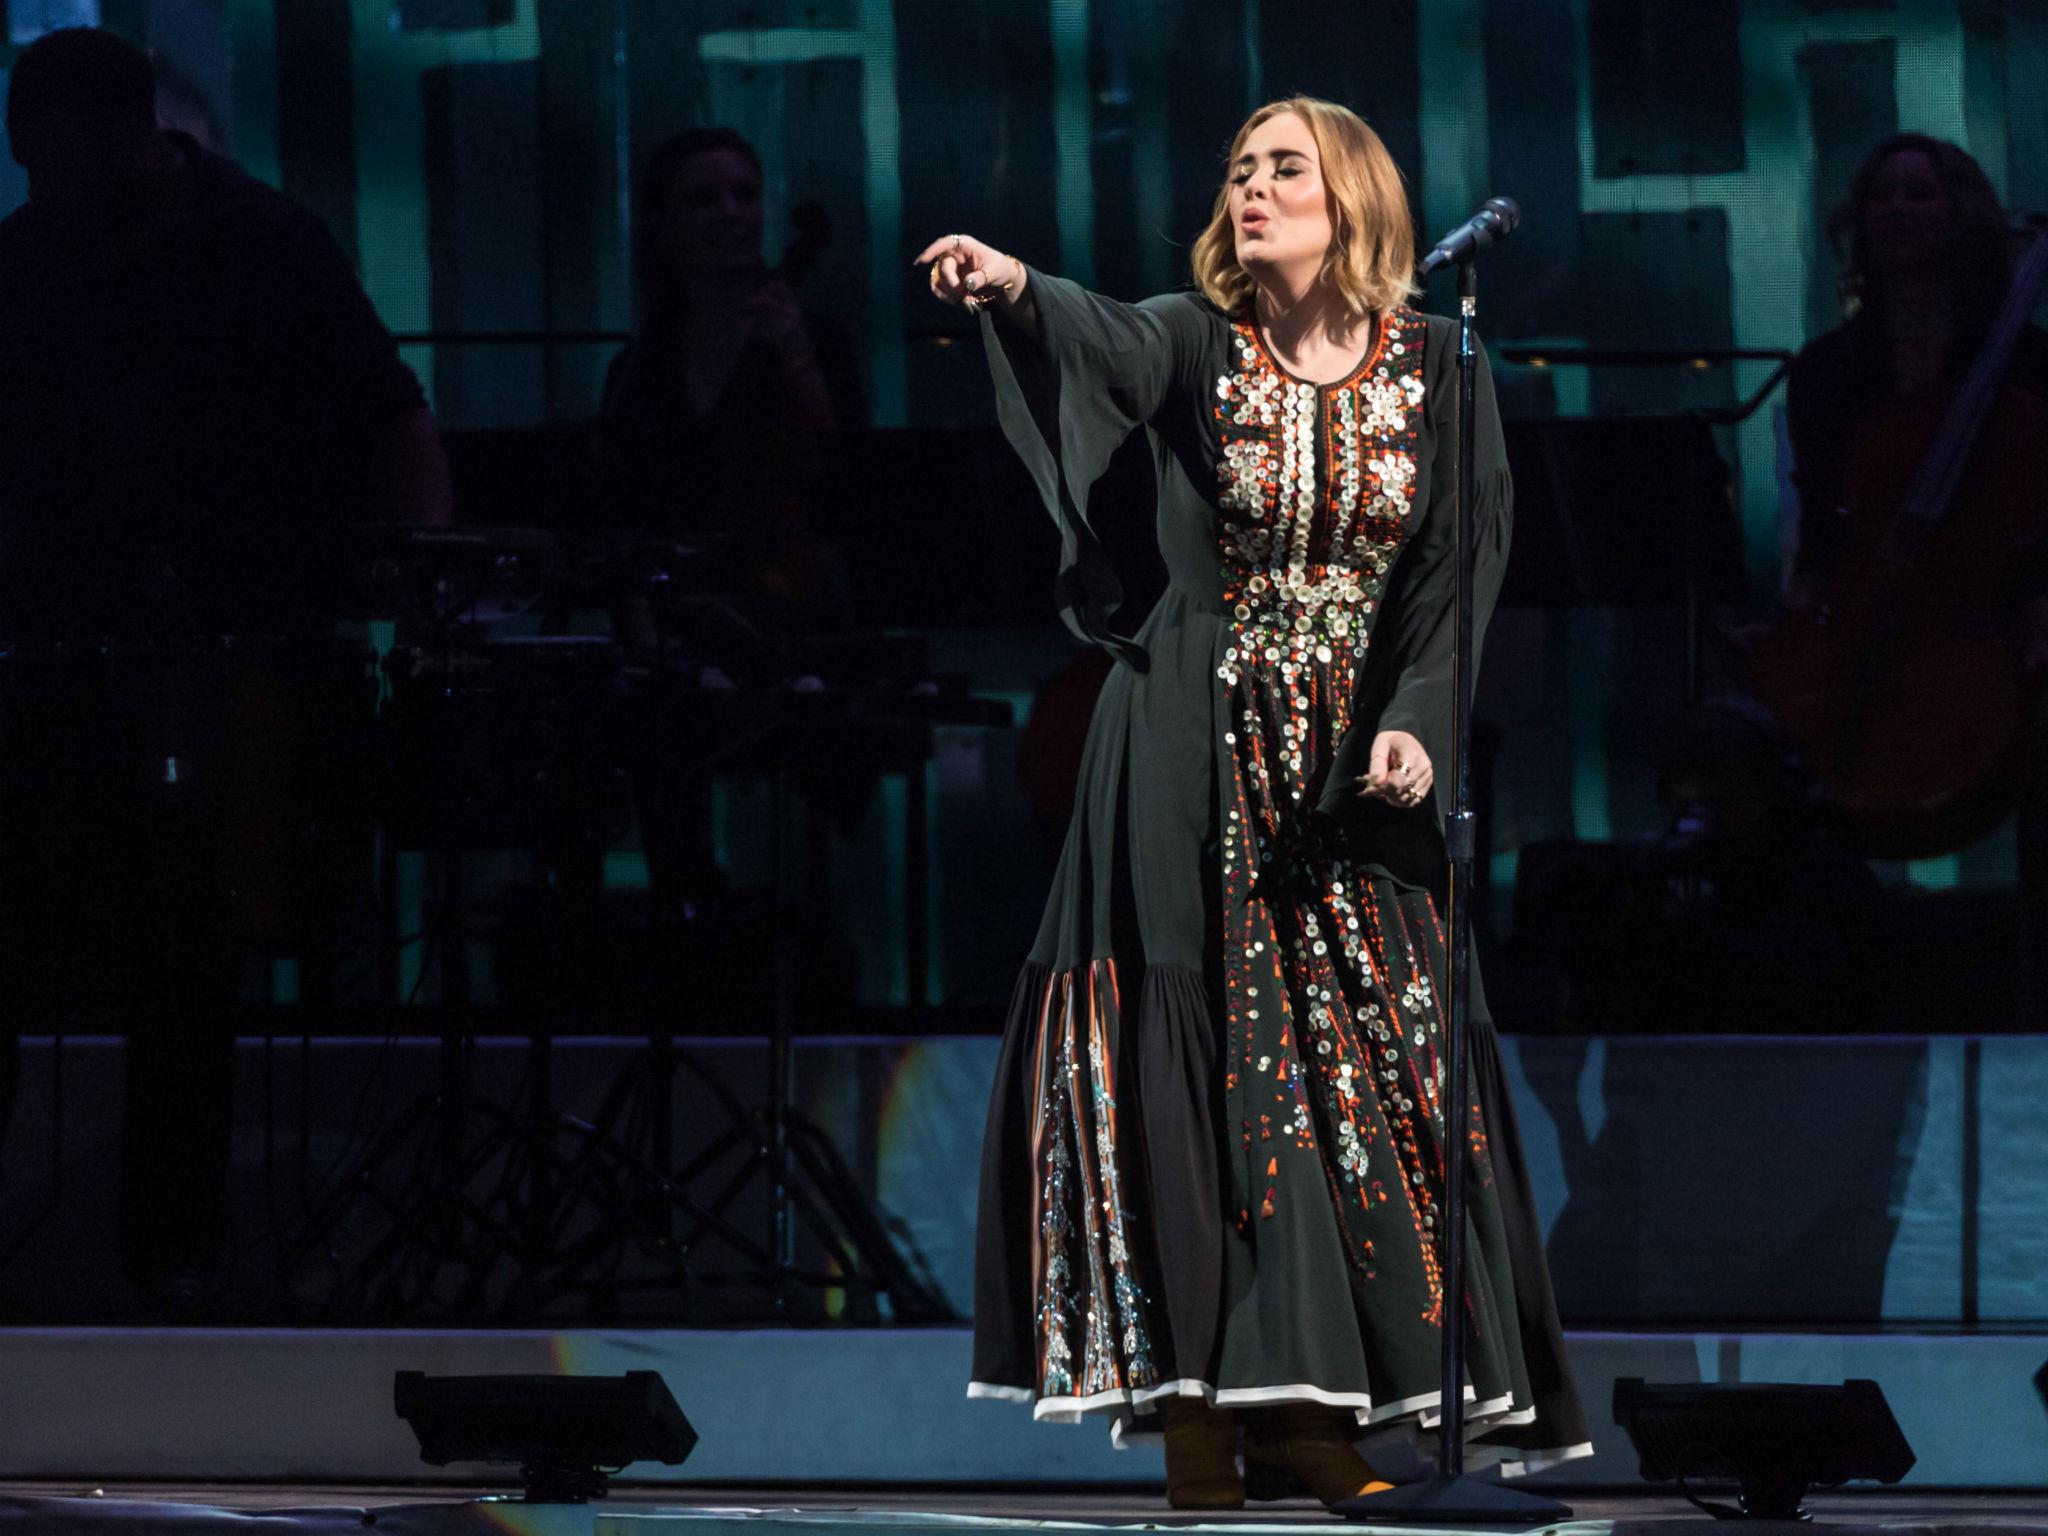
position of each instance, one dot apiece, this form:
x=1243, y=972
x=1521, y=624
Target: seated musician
x=1927, y=261
x=717, y=415
x=716, y=432
x=199, y=397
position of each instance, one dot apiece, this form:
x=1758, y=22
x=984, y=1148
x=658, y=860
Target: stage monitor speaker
x=1776, y=1441
x=565, y=1433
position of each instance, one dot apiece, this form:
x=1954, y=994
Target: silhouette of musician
x=198, y=399
x=716, y=415
x=1928, y=260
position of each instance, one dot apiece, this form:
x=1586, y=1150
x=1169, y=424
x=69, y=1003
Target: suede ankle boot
x=1201, y=1456
x=1309, y=1443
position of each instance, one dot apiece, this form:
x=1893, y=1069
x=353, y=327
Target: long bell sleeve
x=1068, y=392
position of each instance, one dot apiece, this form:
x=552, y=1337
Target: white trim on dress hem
x=1525, y=1463
x=1481, y=1418
x=990, y=1390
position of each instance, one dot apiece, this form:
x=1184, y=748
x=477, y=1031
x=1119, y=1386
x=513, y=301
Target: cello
x=1945, y=493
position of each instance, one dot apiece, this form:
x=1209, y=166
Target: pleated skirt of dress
x=1219, y=1176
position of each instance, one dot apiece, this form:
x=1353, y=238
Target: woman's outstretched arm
x=1075, y=373
x=972, y=272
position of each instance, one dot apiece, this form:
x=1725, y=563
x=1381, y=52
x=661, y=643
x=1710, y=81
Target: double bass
x=1945, y=493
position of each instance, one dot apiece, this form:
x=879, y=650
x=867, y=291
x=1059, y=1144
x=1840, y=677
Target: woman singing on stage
x=1212, y=1170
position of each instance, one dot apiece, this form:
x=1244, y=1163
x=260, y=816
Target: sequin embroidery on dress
x=1331, y=997
x=1093, y=1335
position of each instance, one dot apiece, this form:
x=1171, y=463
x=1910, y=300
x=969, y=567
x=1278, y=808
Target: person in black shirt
x=199, y=394
x=195, y=398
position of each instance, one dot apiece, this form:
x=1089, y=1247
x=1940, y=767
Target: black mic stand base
x=1453, y=1500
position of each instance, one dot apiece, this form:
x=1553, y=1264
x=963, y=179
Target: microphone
x=1495, y=220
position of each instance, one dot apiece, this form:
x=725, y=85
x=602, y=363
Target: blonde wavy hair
x=1371, y=261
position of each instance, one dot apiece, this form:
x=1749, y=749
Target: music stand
x=1589, y=533
x=1588, y=530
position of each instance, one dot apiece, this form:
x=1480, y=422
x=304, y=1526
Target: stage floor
x=314, y=1510
x=840, y=1408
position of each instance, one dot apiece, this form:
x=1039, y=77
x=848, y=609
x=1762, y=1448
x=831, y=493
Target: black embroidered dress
x=1213, y=1157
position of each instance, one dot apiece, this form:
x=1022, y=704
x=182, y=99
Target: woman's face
x=1906, y=220
x=711, y=217
x=1279, y=206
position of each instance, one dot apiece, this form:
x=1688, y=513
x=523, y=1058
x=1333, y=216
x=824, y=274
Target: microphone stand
x=1453, y=1495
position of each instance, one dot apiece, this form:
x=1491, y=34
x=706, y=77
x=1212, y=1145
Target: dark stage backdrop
x=1675, y=162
